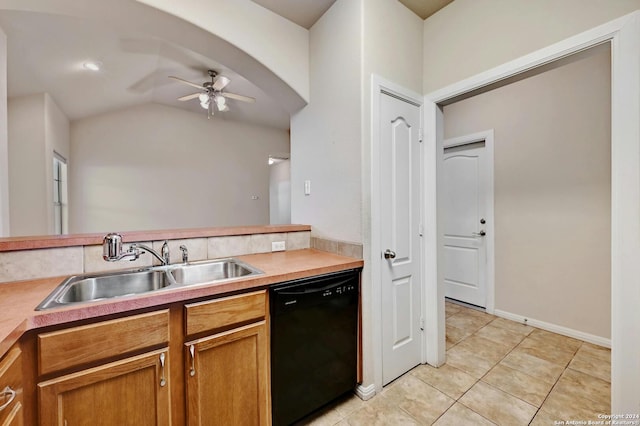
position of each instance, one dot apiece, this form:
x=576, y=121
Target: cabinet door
x=133, y=391
x=228, y=379
x=15, y=417
x=11, y=389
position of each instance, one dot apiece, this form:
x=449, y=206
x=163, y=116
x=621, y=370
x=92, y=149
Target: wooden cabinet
x=117, y=372
x=227, y=372
x=11, y=411
x=132, y=391
x=111, y=370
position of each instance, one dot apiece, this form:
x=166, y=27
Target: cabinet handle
x=192, y=351
x=162, y=379
x=8, y=392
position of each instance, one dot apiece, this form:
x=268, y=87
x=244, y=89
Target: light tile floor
x=498, y=372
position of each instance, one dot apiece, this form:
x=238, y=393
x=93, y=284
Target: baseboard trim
x=365, y=392
x=565, y=331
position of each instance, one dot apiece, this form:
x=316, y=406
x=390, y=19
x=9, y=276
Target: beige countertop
x=19, y=299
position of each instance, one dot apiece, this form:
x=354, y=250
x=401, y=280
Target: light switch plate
x=307, y=187
x=278, y=246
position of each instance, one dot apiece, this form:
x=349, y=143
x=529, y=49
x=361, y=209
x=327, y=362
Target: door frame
x=624, y=35
x=380, y=86
x=485, y=136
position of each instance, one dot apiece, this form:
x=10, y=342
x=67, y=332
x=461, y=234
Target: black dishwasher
x=314, y=332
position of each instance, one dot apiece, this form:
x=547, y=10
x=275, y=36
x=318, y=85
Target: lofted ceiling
x=425, y=8
x=46, y=53
x=306, y=12
x=303, y=12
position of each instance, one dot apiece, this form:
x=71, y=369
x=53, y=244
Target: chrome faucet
x=112, y=250
x=185, y=253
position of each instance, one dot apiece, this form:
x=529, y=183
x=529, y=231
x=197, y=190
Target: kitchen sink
x=208, y=271
x=88, y=288
x=94, y=287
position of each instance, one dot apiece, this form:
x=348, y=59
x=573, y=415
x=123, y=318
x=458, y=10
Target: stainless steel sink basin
x=88, y=288
x=94, y=287
x=208, y=271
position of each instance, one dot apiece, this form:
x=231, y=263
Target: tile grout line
x=524, y=337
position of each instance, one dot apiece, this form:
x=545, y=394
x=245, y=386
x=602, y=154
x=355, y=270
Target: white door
x=400, y=235
x=465, y=180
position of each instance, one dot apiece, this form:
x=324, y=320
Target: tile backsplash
x=40, y=263
x=342, y=248
x=54, y=262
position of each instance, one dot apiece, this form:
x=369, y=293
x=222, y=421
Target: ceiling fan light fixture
x=205, y=100
x=221, y=103
x=211, y=92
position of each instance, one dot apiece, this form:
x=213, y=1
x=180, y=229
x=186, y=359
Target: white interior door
x=400, y=235
x=464, y=186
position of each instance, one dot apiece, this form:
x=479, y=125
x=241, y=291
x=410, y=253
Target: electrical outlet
x=278, y=246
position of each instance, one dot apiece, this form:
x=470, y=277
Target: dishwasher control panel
x=349, y=288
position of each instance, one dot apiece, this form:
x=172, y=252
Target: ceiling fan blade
x=221, y=83
x=198, y=86
x=189, y=97
x=239, y=97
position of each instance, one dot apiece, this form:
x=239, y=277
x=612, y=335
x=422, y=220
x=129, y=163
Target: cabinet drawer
x=63, y=349
x=11, y=377
x=225, y=312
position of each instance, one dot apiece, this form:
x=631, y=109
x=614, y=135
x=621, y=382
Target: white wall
x=56, y=128
x=470, y=36
x=552, y=175
x=4, y=147
x=156, y=167
x=331, y=136
x=326, y=135
x=27, y=166
x=280, y=192
x=37, y=127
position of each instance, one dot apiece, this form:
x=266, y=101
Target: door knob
x=479, y=234
x=389, y=254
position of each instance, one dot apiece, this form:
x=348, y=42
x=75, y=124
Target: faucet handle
x=134, y=252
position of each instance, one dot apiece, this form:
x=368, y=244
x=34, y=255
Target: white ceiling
x=306, y=12
x=425, y=8
x=46, y=54
x=303, y=12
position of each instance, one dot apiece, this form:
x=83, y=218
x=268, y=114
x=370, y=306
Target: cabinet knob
x=9, y=394
x=192, y=352
x=163, y=381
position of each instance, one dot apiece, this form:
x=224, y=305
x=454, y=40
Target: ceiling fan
x=211, y=92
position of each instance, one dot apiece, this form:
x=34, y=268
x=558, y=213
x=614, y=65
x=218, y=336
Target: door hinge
x=421, y=324
x=420, y=135
x=420, y=230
